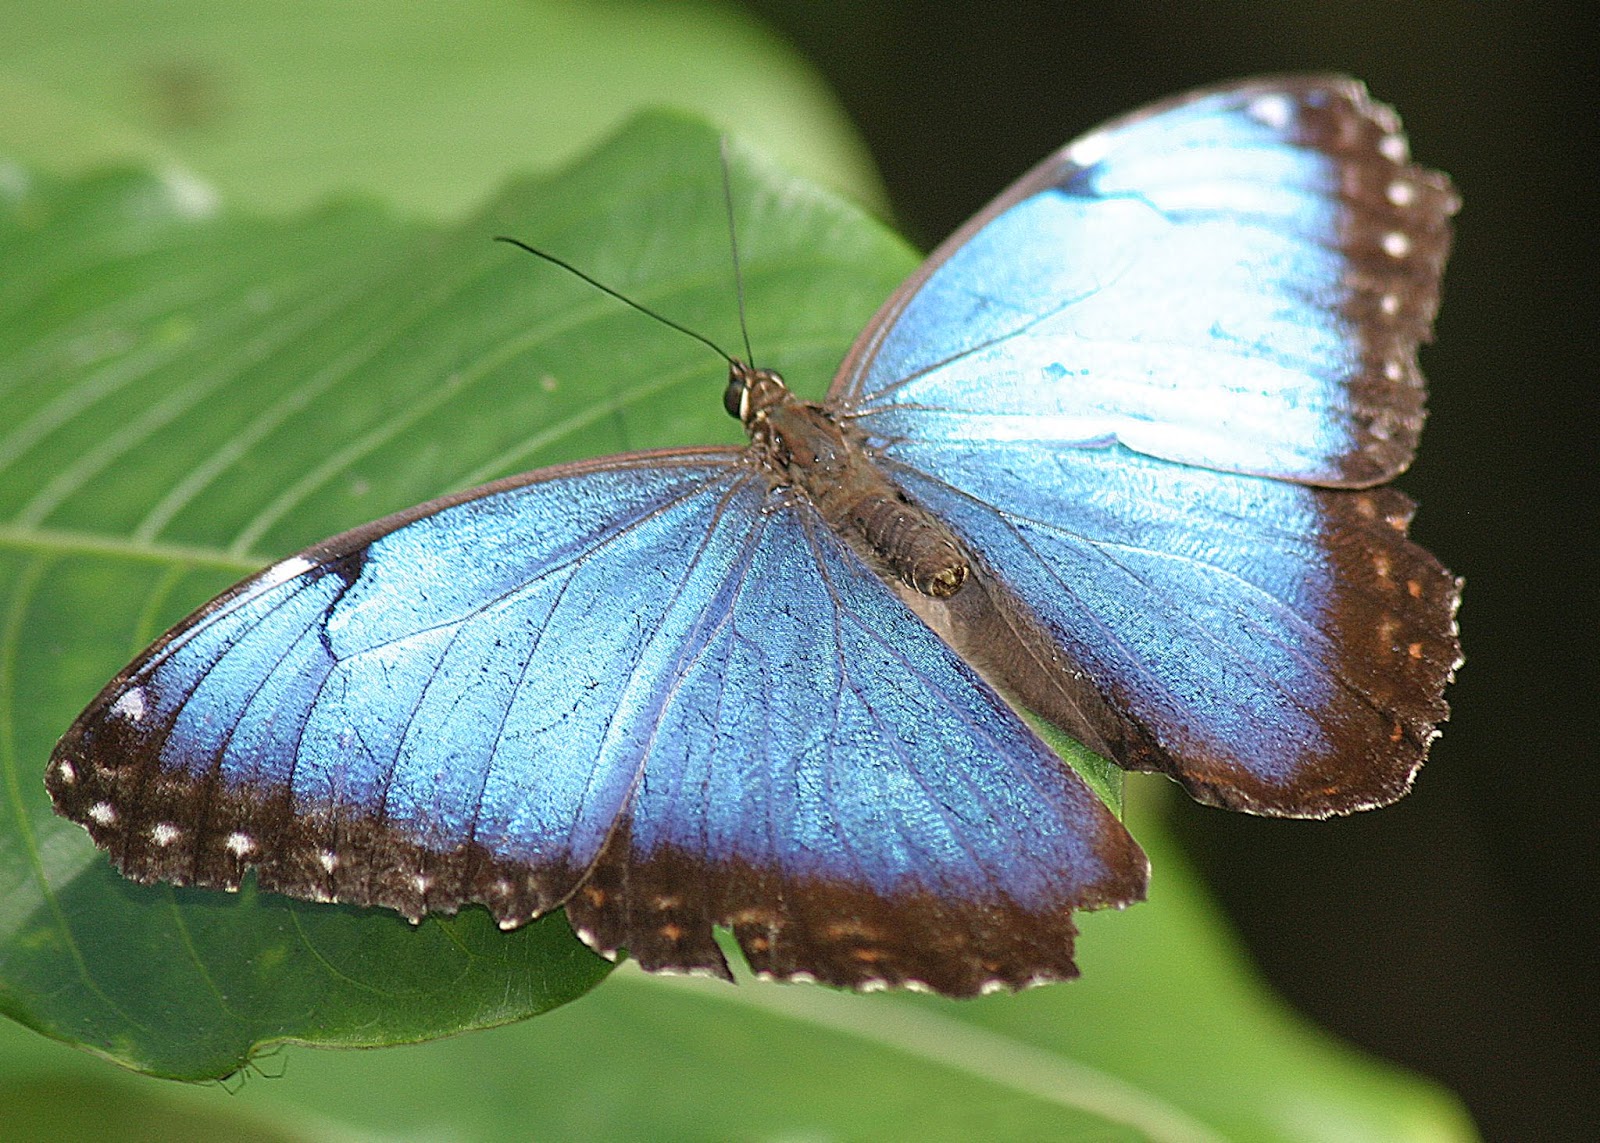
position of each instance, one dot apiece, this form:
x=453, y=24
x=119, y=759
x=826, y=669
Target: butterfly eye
x=733, y=395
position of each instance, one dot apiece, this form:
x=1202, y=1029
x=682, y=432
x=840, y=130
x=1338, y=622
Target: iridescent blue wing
x=653, y=689
x=1237, y=279
x=1277, y=648
x=1137, y=384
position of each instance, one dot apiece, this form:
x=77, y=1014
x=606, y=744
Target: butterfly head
x=751, y=392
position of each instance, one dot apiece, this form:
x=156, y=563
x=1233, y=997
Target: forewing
x=654, y=689
x=431, y=710
x=1237, y=279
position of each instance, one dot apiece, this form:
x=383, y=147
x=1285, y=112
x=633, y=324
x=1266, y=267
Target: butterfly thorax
x=804, y=446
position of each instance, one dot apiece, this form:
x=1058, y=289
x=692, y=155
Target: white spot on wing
x=66, y=772
x=1090, y=149
x=1401, y=193
x=1393, y=148
x=1390, y=304
x=102, y=813
x=329, y=860
x=130, y=705
x=165, y=833
x=284, y=570
x=1396, y=245
x=421, y=881
x=1273, y=111
x=240, y=843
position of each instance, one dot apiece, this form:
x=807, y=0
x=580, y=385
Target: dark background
x=1457, y=931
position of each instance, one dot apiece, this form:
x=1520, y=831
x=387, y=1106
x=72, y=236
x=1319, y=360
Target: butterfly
x=1116, y=455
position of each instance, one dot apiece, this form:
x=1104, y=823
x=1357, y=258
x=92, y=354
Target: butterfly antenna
x=623, y=298
x=733, y=245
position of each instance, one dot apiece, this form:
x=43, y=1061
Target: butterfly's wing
x=1237, y=279
x=1146, y=385
x=653, y=689
x=1277, y=648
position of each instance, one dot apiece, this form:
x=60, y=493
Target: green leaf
x=424, y=104
x=186, y=395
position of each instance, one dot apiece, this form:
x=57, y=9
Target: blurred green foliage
x=425, y=104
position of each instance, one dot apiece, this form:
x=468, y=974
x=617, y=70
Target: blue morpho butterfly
x=1116, y=450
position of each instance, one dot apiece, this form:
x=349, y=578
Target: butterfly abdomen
x=919, y=549
x=803, y=444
